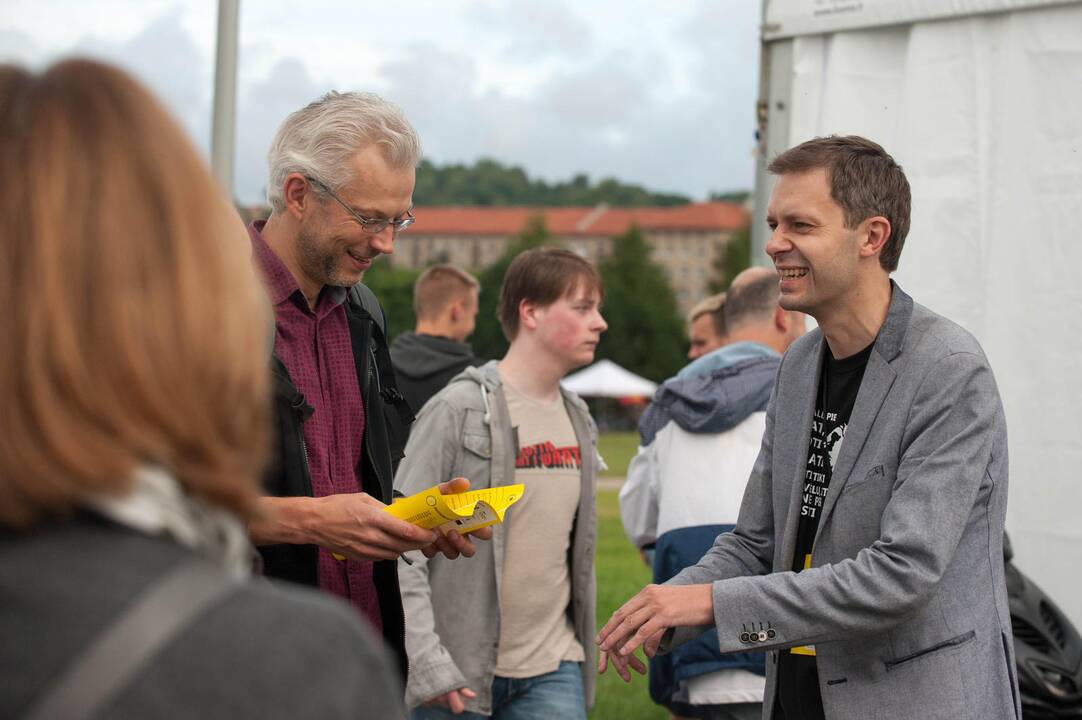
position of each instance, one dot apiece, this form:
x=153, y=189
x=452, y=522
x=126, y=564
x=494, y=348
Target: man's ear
x=781, y=319
x=527, y=314
x=876, y=231
x=455, y=310
x=296, y=195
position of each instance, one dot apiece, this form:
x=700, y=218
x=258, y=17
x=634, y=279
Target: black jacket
x=387, y=420
x=424, y=364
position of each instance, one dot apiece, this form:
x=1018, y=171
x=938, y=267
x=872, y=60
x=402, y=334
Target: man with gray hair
x=699, y=440
x=341, y=189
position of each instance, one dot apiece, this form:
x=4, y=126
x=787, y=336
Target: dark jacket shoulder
x=262, y=651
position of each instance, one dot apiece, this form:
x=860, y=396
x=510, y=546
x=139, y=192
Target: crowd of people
x=206, y=425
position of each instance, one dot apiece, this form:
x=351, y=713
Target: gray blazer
x=905, y=601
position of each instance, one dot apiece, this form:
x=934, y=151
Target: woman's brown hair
x=135, y=329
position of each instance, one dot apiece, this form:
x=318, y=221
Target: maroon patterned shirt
x=316, y=350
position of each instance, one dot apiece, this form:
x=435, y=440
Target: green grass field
x=620, y=574
x=617, y=448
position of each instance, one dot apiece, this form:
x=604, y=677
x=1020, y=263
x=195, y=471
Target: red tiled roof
x=599, y=221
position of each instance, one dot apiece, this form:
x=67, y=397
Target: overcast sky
x=655, y=92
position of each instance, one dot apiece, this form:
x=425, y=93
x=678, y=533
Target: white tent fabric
x=607, y=379
x=985, y=116
x=787, y=18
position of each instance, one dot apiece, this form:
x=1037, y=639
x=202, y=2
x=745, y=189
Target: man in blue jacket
x=700, y=438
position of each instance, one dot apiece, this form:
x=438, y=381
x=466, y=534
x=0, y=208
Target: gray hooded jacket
x=715, y=393
x=452, y=606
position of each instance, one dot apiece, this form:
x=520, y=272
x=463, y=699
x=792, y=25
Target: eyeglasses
x=369, y=225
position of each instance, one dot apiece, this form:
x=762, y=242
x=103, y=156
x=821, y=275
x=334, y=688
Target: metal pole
x=775, y=90
x=225, y=94
x=762, y=181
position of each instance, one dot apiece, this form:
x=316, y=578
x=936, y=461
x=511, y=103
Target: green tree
x=487, y=339
x=738, y=197
x=646, y=332
x=394, y=288
x=735, y=259
x=488, y=182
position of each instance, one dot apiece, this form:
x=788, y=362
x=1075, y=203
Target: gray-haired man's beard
x=320, y=263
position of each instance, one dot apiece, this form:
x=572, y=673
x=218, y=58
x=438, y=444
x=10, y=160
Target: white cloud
x=263, y=104
x=648, y=91
x=18, y=46
x=156, y=44
x=526, y=30
x=611, y=92
x=165, y=56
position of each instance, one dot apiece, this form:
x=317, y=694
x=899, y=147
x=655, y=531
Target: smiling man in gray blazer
x=868, y=556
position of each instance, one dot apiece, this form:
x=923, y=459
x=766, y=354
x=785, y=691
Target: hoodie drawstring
x=484, y=399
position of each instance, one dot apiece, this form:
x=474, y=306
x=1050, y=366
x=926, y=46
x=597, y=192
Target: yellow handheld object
x=464, y=512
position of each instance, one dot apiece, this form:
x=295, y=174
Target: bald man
x=700, y=439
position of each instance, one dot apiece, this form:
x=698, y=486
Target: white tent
x=607, y=379
x=978, y=100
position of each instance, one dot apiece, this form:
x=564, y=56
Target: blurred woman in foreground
x=135, y=385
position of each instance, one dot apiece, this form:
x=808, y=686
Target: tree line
x=646, y=332
x=488, y=182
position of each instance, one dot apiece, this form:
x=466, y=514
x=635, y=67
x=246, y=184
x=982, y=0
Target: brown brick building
x=685, y=240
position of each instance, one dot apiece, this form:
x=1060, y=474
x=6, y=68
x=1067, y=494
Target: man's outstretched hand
x=621, y=663
x=643, y=620
x=354, y=525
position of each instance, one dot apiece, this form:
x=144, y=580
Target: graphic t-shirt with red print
x=535, y=589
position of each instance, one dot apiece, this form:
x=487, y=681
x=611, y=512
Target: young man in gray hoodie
x=699, y=440
x=511, y=632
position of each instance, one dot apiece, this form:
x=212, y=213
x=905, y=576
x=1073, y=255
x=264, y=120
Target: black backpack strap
x=379, y=355
x=378, y=368
x=123, y=648
x=360, y=294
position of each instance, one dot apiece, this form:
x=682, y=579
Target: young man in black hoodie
x=445, y=302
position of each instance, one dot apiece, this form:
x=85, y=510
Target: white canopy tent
x=607, y=379
x=978, y=100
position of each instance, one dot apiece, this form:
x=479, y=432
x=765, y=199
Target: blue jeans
x=557, y=694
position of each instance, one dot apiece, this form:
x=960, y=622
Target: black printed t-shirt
x=839, y=383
